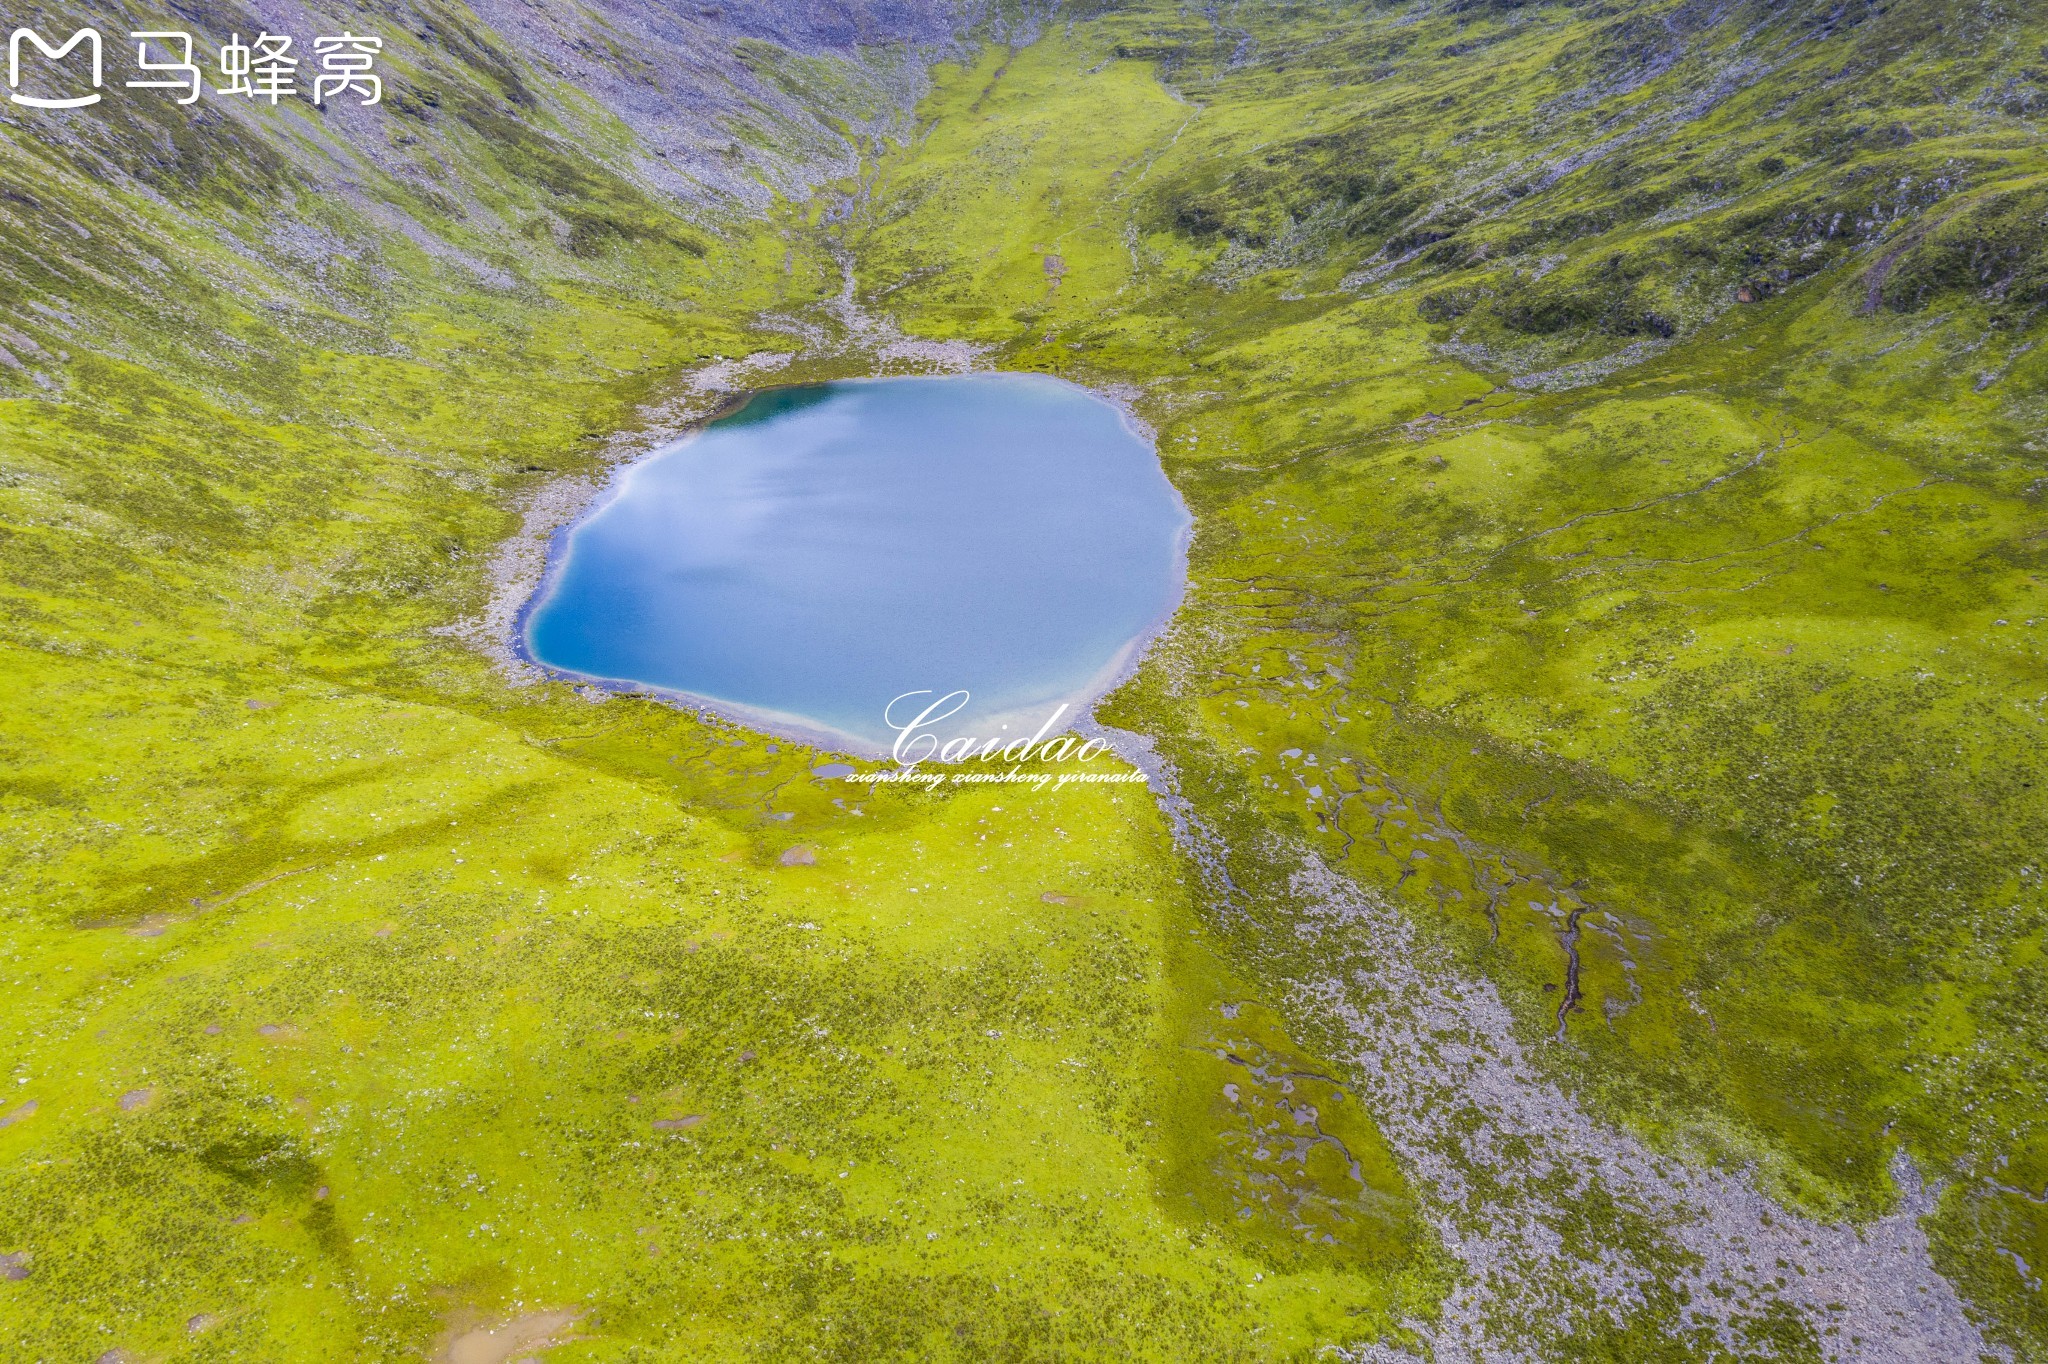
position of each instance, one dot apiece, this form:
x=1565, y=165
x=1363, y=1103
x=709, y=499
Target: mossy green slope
x=360, y=996
x=1614, y=436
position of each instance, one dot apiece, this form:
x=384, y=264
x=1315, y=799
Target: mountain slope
x=1614, y=435
x=1603, y=733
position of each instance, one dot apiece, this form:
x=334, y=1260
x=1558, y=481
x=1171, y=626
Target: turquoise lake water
x=826, y=549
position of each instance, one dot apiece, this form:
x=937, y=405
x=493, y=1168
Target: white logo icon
x=88, y=36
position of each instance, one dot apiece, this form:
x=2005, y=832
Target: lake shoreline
x=519, y=564
x=523, y=562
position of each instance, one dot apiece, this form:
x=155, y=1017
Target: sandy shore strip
x=520, y=561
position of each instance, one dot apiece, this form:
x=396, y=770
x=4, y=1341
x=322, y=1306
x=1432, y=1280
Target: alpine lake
x=834, y=561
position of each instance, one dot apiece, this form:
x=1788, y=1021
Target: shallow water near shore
x=826, y=549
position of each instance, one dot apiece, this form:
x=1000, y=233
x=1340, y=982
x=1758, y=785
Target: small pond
x=824, y=550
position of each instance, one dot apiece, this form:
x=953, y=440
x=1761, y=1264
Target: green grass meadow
x=1616, y=443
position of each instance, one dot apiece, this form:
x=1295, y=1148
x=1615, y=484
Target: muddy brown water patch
x=505, y=1341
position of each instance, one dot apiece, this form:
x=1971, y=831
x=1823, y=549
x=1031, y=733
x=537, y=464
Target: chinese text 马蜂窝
x=263, y=69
